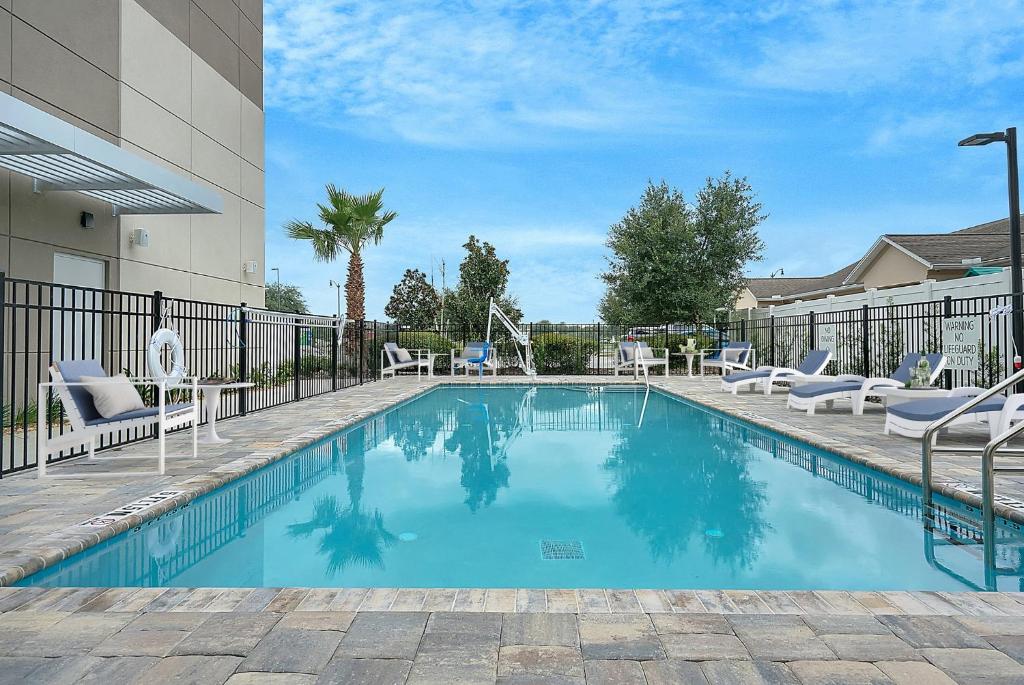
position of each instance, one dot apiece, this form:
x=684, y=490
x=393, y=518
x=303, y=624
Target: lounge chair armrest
x=765, y=368
x=851, y=377
x=966, y=391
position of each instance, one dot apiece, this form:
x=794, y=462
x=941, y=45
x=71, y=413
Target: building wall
x=176, y=81
x=893, y=267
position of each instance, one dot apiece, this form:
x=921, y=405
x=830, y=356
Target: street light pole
x=1009, y=136
x=1015, y=263
x=277, y=272
x=337, y=285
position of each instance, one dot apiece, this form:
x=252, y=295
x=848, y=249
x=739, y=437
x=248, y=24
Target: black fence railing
x=289, y=358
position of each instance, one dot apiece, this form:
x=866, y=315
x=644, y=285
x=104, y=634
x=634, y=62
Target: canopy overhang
x=60, y=156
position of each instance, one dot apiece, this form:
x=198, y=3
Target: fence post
x=947, y=312
x=243, y=358
x=3, y=355
x=334, y=355
x=743, y=329
x=865, y=347
x=810, y=329
x=771, y=340
x=362, y=338
x=297, y=357
x=158, y=305
x=599, y=348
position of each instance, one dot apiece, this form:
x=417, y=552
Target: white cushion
x=113, y=395
x=402, y=356
x=627, y=353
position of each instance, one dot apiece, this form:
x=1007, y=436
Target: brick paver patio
x=457, y=635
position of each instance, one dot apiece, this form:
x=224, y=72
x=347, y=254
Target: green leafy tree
x=414, y=301
x=673, y=261
x=285, y=297
x=482, y=275
x=350, y=222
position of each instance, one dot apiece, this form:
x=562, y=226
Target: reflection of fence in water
x=205, y=527
x=955, y=521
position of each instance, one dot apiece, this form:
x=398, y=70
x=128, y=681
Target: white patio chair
x=628, y=362
x=88, y=425
x=399, y=359
x=473, y=350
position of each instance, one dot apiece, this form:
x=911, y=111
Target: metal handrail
x=988, y=472
x=927, y=448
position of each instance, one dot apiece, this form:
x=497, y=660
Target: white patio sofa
x=87, y=425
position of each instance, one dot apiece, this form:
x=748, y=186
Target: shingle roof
x=950, y=249
x=764, y=288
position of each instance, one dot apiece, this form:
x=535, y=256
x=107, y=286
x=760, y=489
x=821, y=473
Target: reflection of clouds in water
x=163, y=537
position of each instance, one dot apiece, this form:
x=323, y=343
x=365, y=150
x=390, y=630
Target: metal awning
x=60, y=156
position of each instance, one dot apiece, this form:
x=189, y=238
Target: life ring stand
x=160, y=338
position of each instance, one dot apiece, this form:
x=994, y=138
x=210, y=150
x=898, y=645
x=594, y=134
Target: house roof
x=766, y=288
x=988, y=242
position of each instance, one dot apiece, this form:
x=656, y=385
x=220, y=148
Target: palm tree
x=351, y=221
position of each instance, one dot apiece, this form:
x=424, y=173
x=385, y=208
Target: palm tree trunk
x=355, y=289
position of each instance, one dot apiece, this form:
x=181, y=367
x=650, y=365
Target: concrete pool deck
x=39, y=526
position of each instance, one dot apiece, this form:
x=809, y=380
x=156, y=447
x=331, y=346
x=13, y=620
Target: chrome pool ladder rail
x=988, y=468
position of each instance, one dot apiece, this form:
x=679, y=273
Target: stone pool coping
x=59, y=545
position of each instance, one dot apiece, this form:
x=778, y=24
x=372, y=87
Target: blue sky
x=536, y=124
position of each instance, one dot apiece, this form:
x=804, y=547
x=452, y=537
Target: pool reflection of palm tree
x=351, y=535
x=482, y=433
x=671, y=493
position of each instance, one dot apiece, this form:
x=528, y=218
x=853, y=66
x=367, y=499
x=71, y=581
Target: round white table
x=211, y=391
x=690, y=356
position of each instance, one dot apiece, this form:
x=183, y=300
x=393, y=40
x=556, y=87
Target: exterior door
x=77, y=321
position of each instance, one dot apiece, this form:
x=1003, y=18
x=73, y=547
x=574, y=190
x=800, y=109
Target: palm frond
x=324, y=241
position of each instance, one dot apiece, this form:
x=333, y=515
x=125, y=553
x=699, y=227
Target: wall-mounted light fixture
x=139, y=237
x=250, y=267
x=86, y=220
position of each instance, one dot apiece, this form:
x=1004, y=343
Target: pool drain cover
x=561, y=549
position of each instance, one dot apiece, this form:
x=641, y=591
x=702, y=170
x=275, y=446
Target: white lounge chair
x=628, y=361
x=399, y=359
x=913, y=418
x=735, y=356
x=813, y=364
x=857, y=389
x=87, y=424
x=474, y=350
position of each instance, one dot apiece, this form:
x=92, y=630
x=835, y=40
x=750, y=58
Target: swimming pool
x=551, y=486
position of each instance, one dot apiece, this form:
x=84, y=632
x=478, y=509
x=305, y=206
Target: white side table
x=211, y=392
x=894, y=396
x=690, y=356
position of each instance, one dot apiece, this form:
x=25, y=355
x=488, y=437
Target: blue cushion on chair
x=934, y=408
x=139, y=414
x=72, y=372
x=746, y=376
x=817, y=389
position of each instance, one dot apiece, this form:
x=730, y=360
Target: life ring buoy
x=160, y=338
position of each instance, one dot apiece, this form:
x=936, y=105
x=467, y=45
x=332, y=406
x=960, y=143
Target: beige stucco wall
x=893, y=267
x=746, y=300
x=175, y=81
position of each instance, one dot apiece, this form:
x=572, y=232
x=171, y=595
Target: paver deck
x=244, y=636
x=564, y=636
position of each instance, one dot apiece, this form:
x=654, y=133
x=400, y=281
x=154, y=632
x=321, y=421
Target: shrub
x=558, y=353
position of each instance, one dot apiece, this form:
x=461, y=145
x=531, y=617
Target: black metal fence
x=291, y=358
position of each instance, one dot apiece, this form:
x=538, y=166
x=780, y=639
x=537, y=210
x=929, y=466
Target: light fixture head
x=139, y=237
x=250, y=266
x=983, y=139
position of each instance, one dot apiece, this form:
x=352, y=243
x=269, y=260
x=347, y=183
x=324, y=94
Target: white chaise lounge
x=88, y=425
x=628, y=360
x=857, y=389
x=913, y=418
x=766, y=376
x=400, y=359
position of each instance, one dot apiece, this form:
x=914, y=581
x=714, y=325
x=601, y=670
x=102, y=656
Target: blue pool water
x=546, y=486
